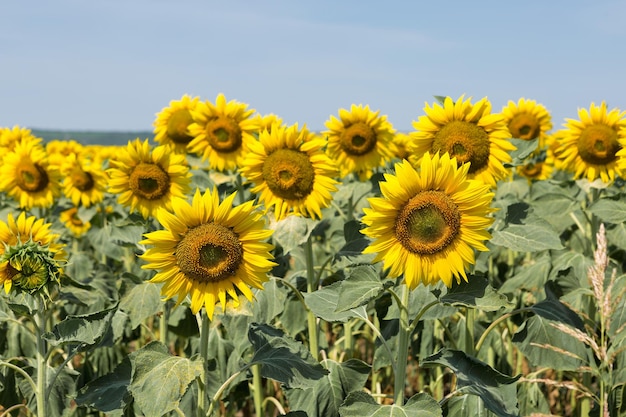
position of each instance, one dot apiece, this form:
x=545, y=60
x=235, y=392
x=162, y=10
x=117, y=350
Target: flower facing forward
x=428, y=223
x=211, y=251
x=84, y=182
x=30, y=256
x=290, y=171
x=171, y=126
x=527, y=120
x=146, y=178
x=72, y=221
x=469, y=133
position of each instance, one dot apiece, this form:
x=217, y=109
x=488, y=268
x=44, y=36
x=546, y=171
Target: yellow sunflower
x=428, y=222
x=468, y=132
x=84, y=182
x=26, y=175
x=146, y=178
x=172, y=123
x=290, y=171
x=402, y=142
x=527, y=120
x=589, y=147
x=58, y=150
x=538, y=167
x=221, y=132
x=359, y=140
x=10, y=136
x=73, y=222
x=268, y=121
x=209, y=250
x=30, y=256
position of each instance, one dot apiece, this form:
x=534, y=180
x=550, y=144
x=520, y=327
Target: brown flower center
x=149, y=181
x=289, y=174
x=464, y=141
x=524, y=126
x=598, y=144
x=177, y=126
x=358, y=139
x=532, y=169
x=82, y=180
x=31, y=177
x=224, y=134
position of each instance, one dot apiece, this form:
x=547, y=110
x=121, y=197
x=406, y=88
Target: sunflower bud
x=28, y=267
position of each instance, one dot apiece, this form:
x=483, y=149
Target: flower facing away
x=73, y=222
x=30, y=256
x=211, y=251
x=527, y=120
x=359, y=140
x=427, y=223
x=402, y=142
x=84, y=182
x=290, y=171
x=171, y=126
x=469, y=133
x=146, y=178
x=221, y=132
x=26, y=175
x=589, y=147
x=9, y=137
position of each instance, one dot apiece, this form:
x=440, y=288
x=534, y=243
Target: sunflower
x=30, y=256
x=172, y=123
x=9, y=137
x=221, y=132
x=527, y=120
x=146, y=178
x=589, y=147
x=268, y=121
x=26, y=175
x=469, y=133
x=360, y=140
x=73, y=222
x=428, y=222
x=84, y=183
x=59, y=150
x=402, y=142
x=539, y=167
x=290, y=171
x=209, y=250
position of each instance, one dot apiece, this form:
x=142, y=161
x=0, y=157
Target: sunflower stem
x=310, y=286
x=470, y=317
x=403, y=348
x=40, y=393
x=257, y=390
x=163, y=323
x=204, y=349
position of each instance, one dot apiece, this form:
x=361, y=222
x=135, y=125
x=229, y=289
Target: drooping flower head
x=30, y=256
x=527, y=120
x=469, y=133
x=148, y=178
x=209, y=250
x=221, y=132
x=72, y=221
x=589, y=147
x=84, y=182
x=359, y=140
x=171, y=126
x=26, y=175
x=428, y=223
x=290, y=171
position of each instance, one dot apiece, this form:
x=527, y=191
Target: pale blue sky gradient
x=114, y=64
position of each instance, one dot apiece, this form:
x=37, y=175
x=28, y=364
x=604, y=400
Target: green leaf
x=476, y=293
x=328, y=393
x=609, y=211
x=270, y=302
x=108, y=392
x=361, y=404
x=159, y=379
x=360, y=287
x=553, y=309
x=87, y=330
x=420, y=297
x=524, y=149
x=60, y=394
x=324, y=303
x=282, y=358
x=141, y=302
x=22, y=303
x=578, y=262
x=527, y=238
x=292, y=231
x=531, y=275
x=356, y=242
x=498, y=391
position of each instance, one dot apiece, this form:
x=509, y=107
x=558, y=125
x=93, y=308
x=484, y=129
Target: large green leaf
x=270, y=302
x=476, y=293
x=530, y=276
x=328, y=393
x=362, y=285
x=59, y=395
x=282, y=358
x=419, y=298
x=361, y=404
x=110, y=391
x=292, y=231
x=324, y=303
x=609, y=211
x=86, y=330
x=552, y=308
x=159, y=379
x=523, y=149
x=527, y=238
x=498, y=391
x=141, y=302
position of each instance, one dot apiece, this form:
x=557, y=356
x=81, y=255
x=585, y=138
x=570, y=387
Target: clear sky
x=114, y=64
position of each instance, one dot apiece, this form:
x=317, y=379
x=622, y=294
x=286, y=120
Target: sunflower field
x=234, y=265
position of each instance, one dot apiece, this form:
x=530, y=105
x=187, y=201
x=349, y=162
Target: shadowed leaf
x=361, y=404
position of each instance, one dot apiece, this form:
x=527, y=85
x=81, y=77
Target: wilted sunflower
x=146, y=178
x=527, y=120
x=290, y=171
x=30, y=256
x=26, y=175
x=221, y=132
x=468, y=132
x=73, y=222
x=83, y=182
x=589, y=147
x=359, y=140
x=172, y=123
x=209, y=250
x=428, y=222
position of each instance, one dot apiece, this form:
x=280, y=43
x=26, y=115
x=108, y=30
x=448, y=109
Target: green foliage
x=360, y=404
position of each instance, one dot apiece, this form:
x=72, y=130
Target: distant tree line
x=92, y=137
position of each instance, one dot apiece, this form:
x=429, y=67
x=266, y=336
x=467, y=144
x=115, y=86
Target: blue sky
x=114, y=64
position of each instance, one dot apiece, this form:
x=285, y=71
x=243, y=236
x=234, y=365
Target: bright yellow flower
x=73, y=222
x=84, y=183
x=527, y=120
x=171, y=126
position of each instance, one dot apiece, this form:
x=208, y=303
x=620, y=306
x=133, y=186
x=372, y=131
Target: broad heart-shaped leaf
x=159, y=379
x=282, y=358
x=609, y=211
x=527, y=238
x=324, y=303
x=360, y=286
x=141, y=302
x=524, y=148
x=87, y=330
x=22, y=303
x=476, y=293
x=361, y=404
x=553, y=309
x=270, y=302
x=498, y=391
x=328, y=393
x=108, y=392
x=292, y=231
x=60, y=395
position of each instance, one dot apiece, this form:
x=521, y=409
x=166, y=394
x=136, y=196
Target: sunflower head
x=73, y=222
x=171, y=126
x=527, y=120
x=84, y=181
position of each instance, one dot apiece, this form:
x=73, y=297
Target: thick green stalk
x=470, y=317
x=204, y=349
x=310, y=285
x=40, y=322
x=257, y=386
x=403, y=348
